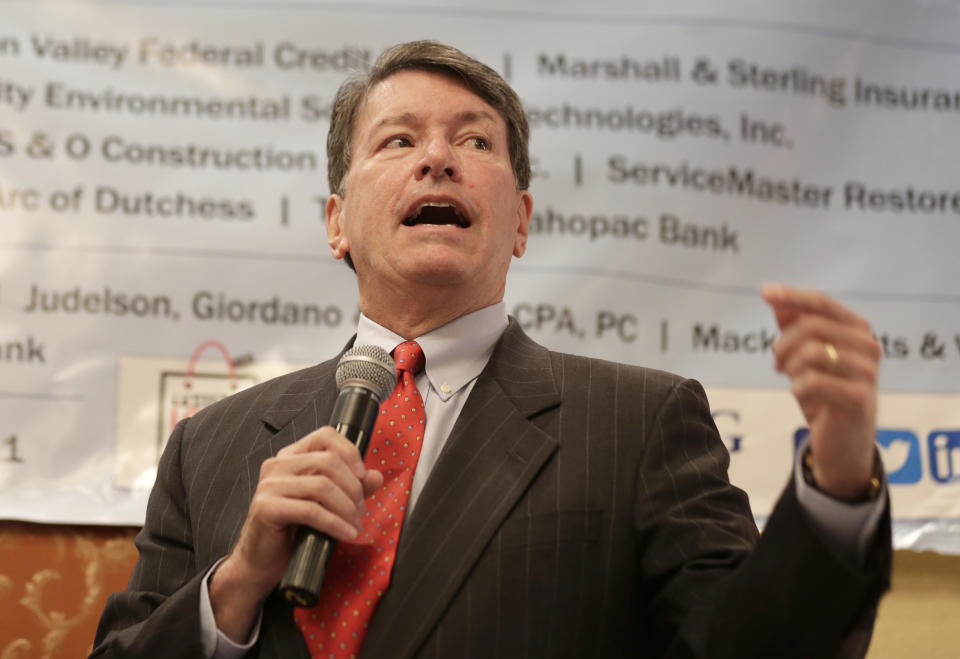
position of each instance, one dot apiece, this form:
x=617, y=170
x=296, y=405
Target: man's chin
x=440, y=264
x=439, y=274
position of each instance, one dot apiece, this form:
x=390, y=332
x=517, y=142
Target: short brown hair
x=426, y=56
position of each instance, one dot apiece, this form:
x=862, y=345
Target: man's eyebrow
x=397, y=120
x=475, y=115
x=408, y=118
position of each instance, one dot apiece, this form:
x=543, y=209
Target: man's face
x=430, y=199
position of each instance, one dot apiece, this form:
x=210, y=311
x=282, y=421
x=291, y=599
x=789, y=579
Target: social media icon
x=944, y=446
x=900, y=450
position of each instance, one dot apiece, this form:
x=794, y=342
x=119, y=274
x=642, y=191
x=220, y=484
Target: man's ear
x=336, y=235
x=524, y=211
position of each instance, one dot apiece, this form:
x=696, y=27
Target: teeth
x=435, y=204
x=460, y=220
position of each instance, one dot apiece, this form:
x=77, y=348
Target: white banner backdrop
x=162, y=182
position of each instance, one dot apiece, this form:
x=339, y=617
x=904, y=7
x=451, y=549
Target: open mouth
x=437, y=213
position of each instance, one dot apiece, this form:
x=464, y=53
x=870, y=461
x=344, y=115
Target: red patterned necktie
x=359, y=571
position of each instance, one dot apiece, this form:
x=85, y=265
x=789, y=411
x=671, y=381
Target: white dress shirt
x=455, y=355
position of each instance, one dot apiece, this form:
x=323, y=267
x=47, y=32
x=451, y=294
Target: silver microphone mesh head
x=370, y=367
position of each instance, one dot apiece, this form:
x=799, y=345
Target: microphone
x=365, y=376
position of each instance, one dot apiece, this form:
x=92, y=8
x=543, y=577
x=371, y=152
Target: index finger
x=326, y=438
x=788, y=303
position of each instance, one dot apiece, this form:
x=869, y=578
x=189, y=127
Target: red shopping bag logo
x=184, y=393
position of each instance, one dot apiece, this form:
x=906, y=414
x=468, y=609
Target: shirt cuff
x=216, y=644
x=848, y=528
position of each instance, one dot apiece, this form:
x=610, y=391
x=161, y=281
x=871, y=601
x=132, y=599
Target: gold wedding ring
x=832, y=355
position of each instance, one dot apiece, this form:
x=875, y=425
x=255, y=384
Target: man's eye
x=480, y=143
x=398, y=141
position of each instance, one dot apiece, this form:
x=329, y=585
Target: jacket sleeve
x=713, y=588
x=160, y=607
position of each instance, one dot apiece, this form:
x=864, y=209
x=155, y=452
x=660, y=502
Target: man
x=561, y=506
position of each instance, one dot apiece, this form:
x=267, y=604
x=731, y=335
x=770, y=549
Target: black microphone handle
x=354, y=416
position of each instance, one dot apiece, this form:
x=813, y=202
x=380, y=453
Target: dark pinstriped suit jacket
x=580, y=509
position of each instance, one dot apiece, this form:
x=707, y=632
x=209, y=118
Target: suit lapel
x=493, y=454
x=303, y=407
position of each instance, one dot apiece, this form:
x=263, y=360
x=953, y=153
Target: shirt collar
x=455, y=353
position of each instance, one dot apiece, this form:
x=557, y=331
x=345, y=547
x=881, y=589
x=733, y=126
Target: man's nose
x=439, y=160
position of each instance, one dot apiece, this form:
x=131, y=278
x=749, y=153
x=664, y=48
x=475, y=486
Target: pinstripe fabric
x=579, y=509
